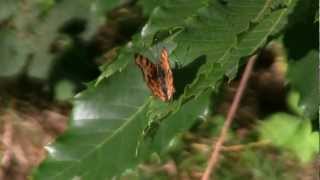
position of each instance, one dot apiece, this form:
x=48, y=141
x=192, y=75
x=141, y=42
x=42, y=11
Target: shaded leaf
x=304, y=77
x=302, y=52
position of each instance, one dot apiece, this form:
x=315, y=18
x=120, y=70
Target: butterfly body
x=157, y=76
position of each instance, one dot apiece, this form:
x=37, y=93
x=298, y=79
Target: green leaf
x=117, y=64
x=106, y=125
x=64, y=90
x=213, y=29
x=169, y=16
x=302, y=55
x=149, y=5
x=112, y=119
x=303, y=76
x=180, y=121
x=292, y=133
x=293, y=99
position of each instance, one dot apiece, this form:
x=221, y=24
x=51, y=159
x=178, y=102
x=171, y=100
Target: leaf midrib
x=129, y=119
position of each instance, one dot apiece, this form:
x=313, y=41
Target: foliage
x=115, y=123
x=33, y=26
x=298, y=134
x=208, y=37
x=306, y=84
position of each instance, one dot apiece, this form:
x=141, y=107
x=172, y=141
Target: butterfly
x=158, y=76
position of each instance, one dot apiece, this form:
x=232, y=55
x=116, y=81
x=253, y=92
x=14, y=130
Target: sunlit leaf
x=293, y=133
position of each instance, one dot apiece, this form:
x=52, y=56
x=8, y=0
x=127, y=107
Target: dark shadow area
x=73, y=27
x=75, y=64
x=77, y=61
x=302, y=34
x=185, y=75
x=223, y=2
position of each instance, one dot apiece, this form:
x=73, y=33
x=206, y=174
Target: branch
x=234, y=106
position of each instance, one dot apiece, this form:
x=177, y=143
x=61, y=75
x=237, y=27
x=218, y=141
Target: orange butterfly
x=157, y=76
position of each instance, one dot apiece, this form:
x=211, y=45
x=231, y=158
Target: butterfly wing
x=149, y=71
x=168, y=77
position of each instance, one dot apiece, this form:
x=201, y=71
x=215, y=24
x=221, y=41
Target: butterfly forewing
x=165, y=64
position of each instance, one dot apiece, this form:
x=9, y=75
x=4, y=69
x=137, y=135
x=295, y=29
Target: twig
x=234, y=106
x=241, y=147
